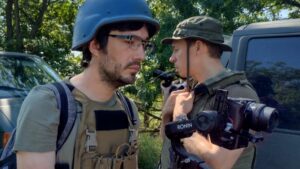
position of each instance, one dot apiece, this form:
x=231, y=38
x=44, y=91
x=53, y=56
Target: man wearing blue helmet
x=113, y=36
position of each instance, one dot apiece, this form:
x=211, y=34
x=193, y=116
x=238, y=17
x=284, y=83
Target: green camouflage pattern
x=199, y=27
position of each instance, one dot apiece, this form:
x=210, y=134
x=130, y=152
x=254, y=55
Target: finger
x=191, y=95
x=177, y=92
x=185, y=94
x=180, y=90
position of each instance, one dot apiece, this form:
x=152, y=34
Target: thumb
x=191, y=95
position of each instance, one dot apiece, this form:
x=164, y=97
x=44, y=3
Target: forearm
x=222, y=158
x=30, y=160
x=166, y=118
x=215, y=156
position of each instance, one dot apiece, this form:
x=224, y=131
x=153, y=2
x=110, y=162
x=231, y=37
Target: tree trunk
x=36, y=25
x=18, y=32
x=146, y=120
x=9, y=26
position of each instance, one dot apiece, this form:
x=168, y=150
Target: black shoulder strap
x=8, y=149
x=67, y=106
x=9, y=162
x=236, y=78
x=232, y=79
x=127, y=104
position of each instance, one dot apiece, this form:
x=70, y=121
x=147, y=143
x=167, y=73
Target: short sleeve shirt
x=38, y=120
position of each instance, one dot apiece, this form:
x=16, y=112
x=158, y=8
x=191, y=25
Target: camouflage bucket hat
x=199, y=27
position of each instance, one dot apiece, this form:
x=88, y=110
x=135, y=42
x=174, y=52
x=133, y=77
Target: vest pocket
x=89, y=161
x=104, y=163
x=130, y=161
x=117, y=163
x=124, y=162
x=97, y=162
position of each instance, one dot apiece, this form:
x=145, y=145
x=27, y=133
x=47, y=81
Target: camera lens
x=263, y=118
x=206, y=121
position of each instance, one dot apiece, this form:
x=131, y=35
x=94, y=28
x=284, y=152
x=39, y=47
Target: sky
x=284, y=13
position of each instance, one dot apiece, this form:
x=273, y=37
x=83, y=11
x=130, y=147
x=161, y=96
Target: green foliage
x=43, y=28
x=149, y=152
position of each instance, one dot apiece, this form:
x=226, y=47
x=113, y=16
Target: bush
x=149, y=151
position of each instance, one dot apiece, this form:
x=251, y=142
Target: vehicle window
x=225, y=58
x=19, y=75
x=274, y=70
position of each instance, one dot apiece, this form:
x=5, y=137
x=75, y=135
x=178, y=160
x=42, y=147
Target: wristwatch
x=181, y=117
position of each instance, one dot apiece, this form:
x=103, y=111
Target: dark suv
x=18, y=74
x=269, y=52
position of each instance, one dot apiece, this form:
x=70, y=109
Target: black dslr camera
x=228, y=124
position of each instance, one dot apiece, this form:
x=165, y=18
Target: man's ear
x=198, y=44
x=94, y=46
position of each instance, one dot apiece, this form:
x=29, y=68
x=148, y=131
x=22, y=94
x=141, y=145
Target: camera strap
x=231, y=79
x=222, y=82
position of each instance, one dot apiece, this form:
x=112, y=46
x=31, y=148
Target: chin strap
x=188, y=43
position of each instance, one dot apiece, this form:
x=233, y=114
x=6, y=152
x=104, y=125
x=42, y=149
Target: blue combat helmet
x=94, y=14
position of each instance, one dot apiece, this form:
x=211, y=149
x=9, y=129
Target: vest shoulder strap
x=67, y=106
x=128, y=107
x=236, y=78
x=232, y=79
x=133, y=133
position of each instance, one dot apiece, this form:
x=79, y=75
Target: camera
x=167, y=77
x=229, y=124
x=168, y=80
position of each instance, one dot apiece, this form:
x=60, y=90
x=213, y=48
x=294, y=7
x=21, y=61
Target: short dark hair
x=214, y=50
x=102, y=36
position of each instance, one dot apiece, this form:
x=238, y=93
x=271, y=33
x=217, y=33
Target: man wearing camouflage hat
x=197, y=45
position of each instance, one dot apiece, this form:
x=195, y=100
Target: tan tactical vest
x=104, y=149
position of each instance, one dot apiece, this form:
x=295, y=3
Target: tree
x=40, y=27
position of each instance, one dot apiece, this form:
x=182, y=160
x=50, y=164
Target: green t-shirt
x=37, y=123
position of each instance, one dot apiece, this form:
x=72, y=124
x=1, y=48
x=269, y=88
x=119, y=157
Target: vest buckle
x=133, y=134
x=91, y=141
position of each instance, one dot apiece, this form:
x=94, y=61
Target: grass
x=149, y=151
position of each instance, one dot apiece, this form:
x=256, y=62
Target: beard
x=112, y=74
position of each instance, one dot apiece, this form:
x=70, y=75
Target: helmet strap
x=188, y=43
